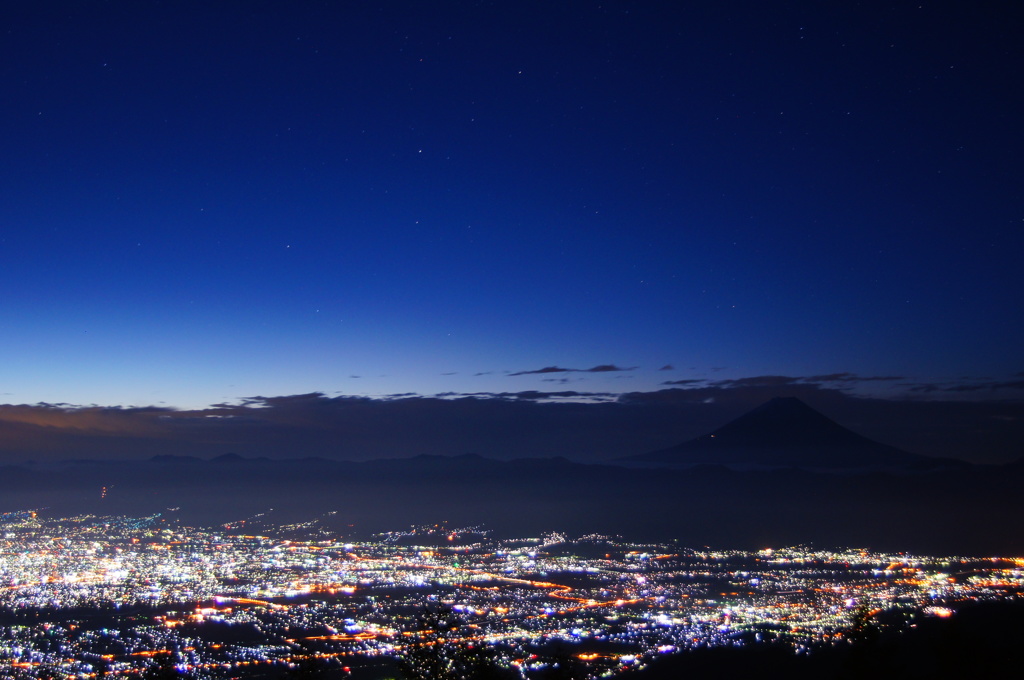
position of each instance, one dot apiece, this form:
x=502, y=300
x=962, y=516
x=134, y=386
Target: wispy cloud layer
x=950, y=420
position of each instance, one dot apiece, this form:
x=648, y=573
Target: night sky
x=205, y=203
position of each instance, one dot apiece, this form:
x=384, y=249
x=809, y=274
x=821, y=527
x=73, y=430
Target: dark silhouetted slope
x=786, y=432
x=980, y=641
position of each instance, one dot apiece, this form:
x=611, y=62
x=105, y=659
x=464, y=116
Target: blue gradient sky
x=203, y=202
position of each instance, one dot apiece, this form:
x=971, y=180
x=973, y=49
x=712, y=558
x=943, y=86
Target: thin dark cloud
x=832, y=377
x=976, y=386
x=853, y=378
x=759, y=381
x=667, y=367
x=546, y=369
x=534, y=395
x=687, y=381
x=601, y=368
x=844, y=378
x=286, y=400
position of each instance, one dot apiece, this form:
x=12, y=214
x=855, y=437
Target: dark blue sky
x=203, y=202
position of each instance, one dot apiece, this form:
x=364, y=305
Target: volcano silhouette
x=786, y=432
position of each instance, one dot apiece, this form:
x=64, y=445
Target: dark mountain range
x=786, y=432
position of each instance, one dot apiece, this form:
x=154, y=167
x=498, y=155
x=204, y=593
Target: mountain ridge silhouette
x=786, y=432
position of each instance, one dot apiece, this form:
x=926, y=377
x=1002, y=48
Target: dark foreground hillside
x=981, y=640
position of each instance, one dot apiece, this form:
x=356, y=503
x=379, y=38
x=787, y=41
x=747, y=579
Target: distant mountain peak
x=783, y=421
x=785, y=432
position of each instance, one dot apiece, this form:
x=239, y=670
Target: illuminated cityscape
x=88, y=596
x=529, y=340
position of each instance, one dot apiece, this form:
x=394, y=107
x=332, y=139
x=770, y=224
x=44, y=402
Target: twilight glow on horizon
x=204, y=203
